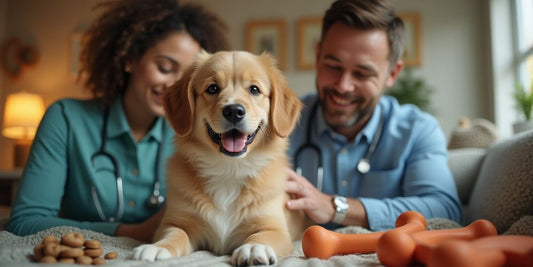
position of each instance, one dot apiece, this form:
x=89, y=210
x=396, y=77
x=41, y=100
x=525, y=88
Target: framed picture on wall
x=309, y=30
x=412, y=54
x=268, y=36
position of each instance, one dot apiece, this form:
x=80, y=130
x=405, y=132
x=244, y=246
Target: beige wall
x=455, y=45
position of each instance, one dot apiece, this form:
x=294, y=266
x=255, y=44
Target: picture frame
x=412, y=54
x=268, y=36
x=309, y=30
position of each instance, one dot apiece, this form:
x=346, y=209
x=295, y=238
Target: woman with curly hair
x=99, y=164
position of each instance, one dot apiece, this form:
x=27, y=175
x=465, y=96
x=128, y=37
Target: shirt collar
x=370, y=129
x=367, y=134
x=117, y=123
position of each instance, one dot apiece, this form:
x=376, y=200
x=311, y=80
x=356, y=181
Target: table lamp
x=22, y=114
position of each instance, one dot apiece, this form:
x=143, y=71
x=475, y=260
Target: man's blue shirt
x=409, y=168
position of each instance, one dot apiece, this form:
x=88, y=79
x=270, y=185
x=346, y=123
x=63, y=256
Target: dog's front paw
x=253, y=254
x=150, y=253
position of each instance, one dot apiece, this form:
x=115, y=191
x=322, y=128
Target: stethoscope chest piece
x=155, y=200
x=363, y=166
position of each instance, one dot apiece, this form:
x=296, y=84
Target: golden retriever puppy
x=232, y=112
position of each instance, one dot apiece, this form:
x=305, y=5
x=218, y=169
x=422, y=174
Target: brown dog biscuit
x=92, y=244
x=98, y=261
x=38, y=252
x=67, y=260
x=72, y=239
x=93, y=252
x=84, y=260
x=50, y=239
x=51, y=249
x=63, y=248
x=48, y=259
x=111, y=255
x=71, y=252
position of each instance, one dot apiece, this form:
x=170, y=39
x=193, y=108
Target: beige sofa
x=497, y=183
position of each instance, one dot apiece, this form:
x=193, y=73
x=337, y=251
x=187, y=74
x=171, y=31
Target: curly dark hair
x=127, y=28
x=368, y=15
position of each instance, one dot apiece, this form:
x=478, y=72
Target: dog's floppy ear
x=284, y=104
x=179, y=99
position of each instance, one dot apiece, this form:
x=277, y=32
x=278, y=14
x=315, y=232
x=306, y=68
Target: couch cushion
x=504, y=189
x=465, y=164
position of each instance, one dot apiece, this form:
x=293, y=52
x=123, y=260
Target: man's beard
x=353, y=119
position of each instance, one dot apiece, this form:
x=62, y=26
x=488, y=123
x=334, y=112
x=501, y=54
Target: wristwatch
x=341, y=208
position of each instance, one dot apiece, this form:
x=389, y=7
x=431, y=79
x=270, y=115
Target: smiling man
x=378, y=158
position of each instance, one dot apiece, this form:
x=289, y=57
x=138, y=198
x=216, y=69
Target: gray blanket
x=18, y=251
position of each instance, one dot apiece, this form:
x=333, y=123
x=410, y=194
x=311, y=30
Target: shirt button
x=344, y=183
x=135, y=172
x=131, y=203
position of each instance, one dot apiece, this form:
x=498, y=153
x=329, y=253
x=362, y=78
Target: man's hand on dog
x=314, y=203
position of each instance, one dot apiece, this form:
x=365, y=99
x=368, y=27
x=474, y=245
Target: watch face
x=341, y=203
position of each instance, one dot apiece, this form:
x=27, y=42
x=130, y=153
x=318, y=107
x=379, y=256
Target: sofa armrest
x=503, y=192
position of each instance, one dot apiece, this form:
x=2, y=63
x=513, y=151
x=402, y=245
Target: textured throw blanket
x=18, y=251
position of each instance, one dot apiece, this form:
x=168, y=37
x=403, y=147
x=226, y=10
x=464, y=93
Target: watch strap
x=340, y=209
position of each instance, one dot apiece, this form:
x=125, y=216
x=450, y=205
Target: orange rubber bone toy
x=399, y=249
x=492, y=251
x=317, y=242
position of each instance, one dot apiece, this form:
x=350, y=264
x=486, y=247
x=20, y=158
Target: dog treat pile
x=72, y=248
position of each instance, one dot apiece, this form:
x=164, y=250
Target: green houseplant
x=524, y=104
x=413, y=90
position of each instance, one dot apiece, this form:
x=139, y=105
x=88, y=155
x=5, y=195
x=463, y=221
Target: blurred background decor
x=15, y=57
x=412, y=90
x=524, y=104
x=412, y=54
x=478, y=133
x=22, y=114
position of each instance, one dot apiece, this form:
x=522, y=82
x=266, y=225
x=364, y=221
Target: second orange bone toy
x=492, y=251
x=320, y=243
x=398, y=249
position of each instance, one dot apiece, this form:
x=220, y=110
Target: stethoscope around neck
x=363, y=166
x=154, y=201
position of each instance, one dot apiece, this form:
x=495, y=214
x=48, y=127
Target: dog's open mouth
x=233, y=142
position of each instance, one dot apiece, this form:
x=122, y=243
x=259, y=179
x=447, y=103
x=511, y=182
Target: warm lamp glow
x=22, y=114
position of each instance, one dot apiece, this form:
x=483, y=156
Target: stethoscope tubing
x=155, y=200
x=363, y=166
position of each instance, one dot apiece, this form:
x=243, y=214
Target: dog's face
x=234, y=100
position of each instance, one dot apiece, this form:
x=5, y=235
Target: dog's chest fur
x=225, y=216
x=225, y=182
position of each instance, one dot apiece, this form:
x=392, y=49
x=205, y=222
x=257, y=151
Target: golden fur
x=224, y=197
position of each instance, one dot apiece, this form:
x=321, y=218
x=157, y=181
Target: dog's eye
x=212, y=89
x=254, y=90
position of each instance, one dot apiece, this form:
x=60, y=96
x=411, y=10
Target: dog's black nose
x=234, y=112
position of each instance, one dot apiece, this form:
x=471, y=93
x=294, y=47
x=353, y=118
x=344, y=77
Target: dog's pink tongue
x=233, y=142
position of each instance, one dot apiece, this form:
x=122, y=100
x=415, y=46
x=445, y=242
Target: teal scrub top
x=59, y=174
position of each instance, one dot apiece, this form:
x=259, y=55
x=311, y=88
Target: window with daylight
x=524, y=41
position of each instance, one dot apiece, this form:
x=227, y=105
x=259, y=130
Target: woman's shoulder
x=71, y=107
x=75, y=103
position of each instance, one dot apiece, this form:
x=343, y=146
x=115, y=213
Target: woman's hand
x=143, y=231
x=317, y=205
